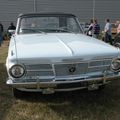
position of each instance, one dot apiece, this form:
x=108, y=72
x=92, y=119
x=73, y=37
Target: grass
x=3, y=54
x=79, y=105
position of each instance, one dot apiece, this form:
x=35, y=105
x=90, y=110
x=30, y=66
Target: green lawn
x=79, y=105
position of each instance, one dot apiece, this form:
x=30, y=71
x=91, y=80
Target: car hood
x=59, y=45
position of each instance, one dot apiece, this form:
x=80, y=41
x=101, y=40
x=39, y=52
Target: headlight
x=17, y=71
x=115, y=65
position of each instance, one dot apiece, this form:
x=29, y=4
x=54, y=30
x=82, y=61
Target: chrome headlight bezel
x=17, y=71
x=115, y=65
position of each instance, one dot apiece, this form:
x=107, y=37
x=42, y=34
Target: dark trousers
x=0, y=40
x=108, y=38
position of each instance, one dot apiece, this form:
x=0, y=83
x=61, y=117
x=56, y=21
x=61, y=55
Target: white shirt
x=108, y=28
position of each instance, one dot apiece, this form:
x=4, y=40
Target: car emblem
x=72, y=69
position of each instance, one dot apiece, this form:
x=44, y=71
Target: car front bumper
x=66, y=85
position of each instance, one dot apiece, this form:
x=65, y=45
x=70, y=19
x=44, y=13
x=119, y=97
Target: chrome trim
x=55, y=83
x=53, y=67
x=44, y=70
x=55, y=90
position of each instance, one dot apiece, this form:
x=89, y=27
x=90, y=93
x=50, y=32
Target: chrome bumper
x=68, y=85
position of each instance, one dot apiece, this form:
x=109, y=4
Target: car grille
x=39, y=70
x=64, y=70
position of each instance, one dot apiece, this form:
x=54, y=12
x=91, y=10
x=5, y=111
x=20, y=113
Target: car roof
x=46, y=14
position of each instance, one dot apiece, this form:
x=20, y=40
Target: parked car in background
x=50, y=53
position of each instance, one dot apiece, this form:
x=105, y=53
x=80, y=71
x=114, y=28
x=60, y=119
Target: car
x=49, y=53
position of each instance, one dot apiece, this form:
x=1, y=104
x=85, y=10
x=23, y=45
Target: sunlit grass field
x=79, y=105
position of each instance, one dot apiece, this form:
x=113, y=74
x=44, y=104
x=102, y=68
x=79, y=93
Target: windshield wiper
x=63, y=30
x=66, y=29
x=57, y=30
x=26, y=30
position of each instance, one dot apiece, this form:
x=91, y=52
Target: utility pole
x=34, y=6
x=93, y=9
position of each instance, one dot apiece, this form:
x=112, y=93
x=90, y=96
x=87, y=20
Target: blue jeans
x=108, y=38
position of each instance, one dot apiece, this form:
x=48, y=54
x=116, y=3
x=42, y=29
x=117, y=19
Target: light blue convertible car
x=50, y=53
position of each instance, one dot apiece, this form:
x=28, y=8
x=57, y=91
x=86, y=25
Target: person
x=90, y=29
x=117, y=37
x=107, y=32
x=118, y=28
x=11, y=27
x=1, y=33
x=96, y=29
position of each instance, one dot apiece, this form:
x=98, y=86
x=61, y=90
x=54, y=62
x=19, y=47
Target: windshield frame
x=50, y=15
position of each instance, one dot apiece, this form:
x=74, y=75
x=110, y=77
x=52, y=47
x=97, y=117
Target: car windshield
x=48, y=24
